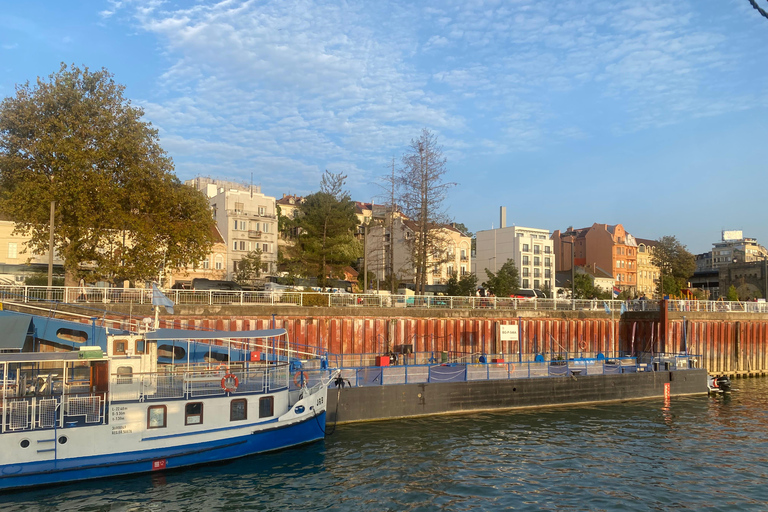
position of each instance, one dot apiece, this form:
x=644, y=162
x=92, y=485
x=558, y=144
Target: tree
x=465, y=231
x=676, y=265
x=733, y=294
x=249, y=268
x=422, y=192
x=462, y=287
x=120, y=212
x=505, y=282
x=328, y=222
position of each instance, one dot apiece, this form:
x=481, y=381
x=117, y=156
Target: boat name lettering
x=120, y=429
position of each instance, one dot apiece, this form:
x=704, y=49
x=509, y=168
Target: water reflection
x=696, y=453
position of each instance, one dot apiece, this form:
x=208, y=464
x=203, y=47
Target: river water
x=693, y=453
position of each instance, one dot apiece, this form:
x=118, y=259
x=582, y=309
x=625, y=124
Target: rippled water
x=700, y=453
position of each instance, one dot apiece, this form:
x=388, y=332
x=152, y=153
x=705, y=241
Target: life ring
x=583, y=345
x=298, y=378
x=227, y=380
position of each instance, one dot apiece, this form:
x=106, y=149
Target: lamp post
x=573, y=267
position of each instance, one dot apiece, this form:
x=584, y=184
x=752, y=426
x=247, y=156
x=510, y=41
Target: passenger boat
x=70, y=416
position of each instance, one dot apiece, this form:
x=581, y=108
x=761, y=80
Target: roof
x=646, y=242
x=184, y=334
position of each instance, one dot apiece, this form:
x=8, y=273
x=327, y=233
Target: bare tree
x=422, y=192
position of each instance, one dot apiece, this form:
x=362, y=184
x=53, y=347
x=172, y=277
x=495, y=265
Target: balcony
x=254, y=234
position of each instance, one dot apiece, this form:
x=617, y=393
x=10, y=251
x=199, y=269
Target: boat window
x=118, y=347
x=72, y=335
x=238, y=409
x=193, y=413
x=140, y=346
x=156, y=416
x=124, y=375
x=266, y=406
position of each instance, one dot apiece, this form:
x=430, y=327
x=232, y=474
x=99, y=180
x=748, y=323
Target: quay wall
x=728, y=343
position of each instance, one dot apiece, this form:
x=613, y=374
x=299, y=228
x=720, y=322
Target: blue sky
x=652, y=114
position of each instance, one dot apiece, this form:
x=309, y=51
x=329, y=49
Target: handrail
x=141, y=296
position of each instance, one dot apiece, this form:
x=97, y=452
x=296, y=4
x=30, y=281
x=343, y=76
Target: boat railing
x=52, y=411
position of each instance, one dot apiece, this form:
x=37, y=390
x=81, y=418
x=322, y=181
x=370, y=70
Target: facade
x=16, y=262
x=246, y=218
x=647, y=272
x=735, y=248
x=530, y=248
x=214, y=266
x=452, y=255
x=750, y=279
x=609, y=247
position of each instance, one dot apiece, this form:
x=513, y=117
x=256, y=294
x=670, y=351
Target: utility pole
x=50, y=251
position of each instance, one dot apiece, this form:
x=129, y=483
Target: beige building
x=735, y=248
x=647, y=272
x=452, y=254
x=214, y=266
x=246, y=218
x=16, y=261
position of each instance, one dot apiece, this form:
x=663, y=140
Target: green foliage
x=505, y=282
x=41, y=279
x=249, y=268
x=676, y=265
x=733, y=294
x=316, y=299
x=328, y=223
x=120, y=213
x=465, y=286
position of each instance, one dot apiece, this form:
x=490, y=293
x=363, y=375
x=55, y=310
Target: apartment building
x=17, y=262
x=246, y=218
x=609, y=247
x=647, y=272
x=213, y=266
x=734, y=247
x=530, y=248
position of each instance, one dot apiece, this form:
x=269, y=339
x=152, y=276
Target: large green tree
x=462, y=287
x=120, y=212
x=328, y=222
x=676, y=265
x=505, y=282
x=249, y=267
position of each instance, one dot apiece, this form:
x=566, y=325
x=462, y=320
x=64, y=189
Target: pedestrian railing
x=99, y=295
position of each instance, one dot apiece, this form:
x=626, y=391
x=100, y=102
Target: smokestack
x=503, y=217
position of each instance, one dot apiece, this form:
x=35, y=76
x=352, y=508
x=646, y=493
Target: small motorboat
x=717, y=384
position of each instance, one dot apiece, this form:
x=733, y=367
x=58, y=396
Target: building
x=647, y=273
x=246, y=218
x=451, y=254
x=530, y=248
x=735, y=248
x=609, y=247
x=749, y=278
x=17, y=262
x=214, y=266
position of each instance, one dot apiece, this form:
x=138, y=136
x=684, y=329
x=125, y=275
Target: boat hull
x=239, y=444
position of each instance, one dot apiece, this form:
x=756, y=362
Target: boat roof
x=184, y=334
x=22, y=357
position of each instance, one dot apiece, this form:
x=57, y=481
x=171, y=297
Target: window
x=265, y=227
x=266, y=406
x=526, y=272
x=242, y=245
x=547, y=262
x=193, y=413
x=205, y=264
x=526, y=248
x=525, y=260
x=156, y=416
x=13, y=249
x=238, y=208
x=525, y=283
x=450, y=270
x=265, y=248
x=234, y=245
x=547, y=249
x=119, y=346
x=463, y=270
x=547, y=273
x=238, y=409
x=140, y=346
x=124, y=375
x=536, y=283
x=536, y=272
x=536, y=249
x=262, y=211
x=219, y=262
x=536, y=260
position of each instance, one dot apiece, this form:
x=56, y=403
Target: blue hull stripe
x=84, y=468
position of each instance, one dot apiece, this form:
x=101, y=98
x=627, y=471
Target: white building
x=530, y=248
x=246, y=218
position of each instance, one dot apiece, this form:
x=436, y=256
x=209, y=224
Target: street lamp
x=573, y=266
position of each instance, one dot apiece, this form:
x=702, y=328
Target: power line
x=759, y=9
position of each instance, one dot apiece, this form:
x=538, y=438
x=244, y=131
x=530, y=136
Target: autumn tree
x=328, y=222
x=249, y=267
x=422, y=191
x=676, y=265
x=120, y=212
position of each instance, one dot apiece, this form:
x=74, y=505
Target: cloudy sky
x=648, y=113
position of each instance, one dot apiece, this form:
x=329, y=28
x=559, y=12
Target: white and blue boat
x=90, y=413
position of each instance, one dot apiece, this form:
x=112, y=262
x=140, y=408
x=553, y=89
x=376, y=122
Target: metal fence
x=97, y=295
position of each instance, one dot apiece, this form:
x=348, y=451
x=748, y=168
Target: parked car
x=529, y=293
x=213, y=284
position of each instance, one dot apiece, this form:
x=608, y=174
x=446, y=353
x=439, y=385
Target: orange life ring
x=226, y=380
x=583, y=345
x=298, y=378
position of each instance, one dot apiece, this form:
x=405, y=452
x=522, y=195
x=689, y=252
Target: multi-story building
x=450, y=255
x=17, y=262
x=647, y=272
x=608, y=247
x=213, y=266
x=735, y=248
x=530, y=248
x=246, y=218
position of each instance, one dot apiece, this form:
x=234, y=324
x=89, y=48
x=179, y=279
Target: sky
x=652, y=114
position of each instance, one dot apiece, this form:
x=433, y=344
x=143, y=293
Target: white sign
x=508, y=333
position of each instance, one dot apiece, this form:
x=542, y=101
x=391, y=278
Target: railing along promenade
x=139, y=296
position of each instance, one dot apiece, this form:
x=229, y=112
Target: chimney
x=503, y=217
